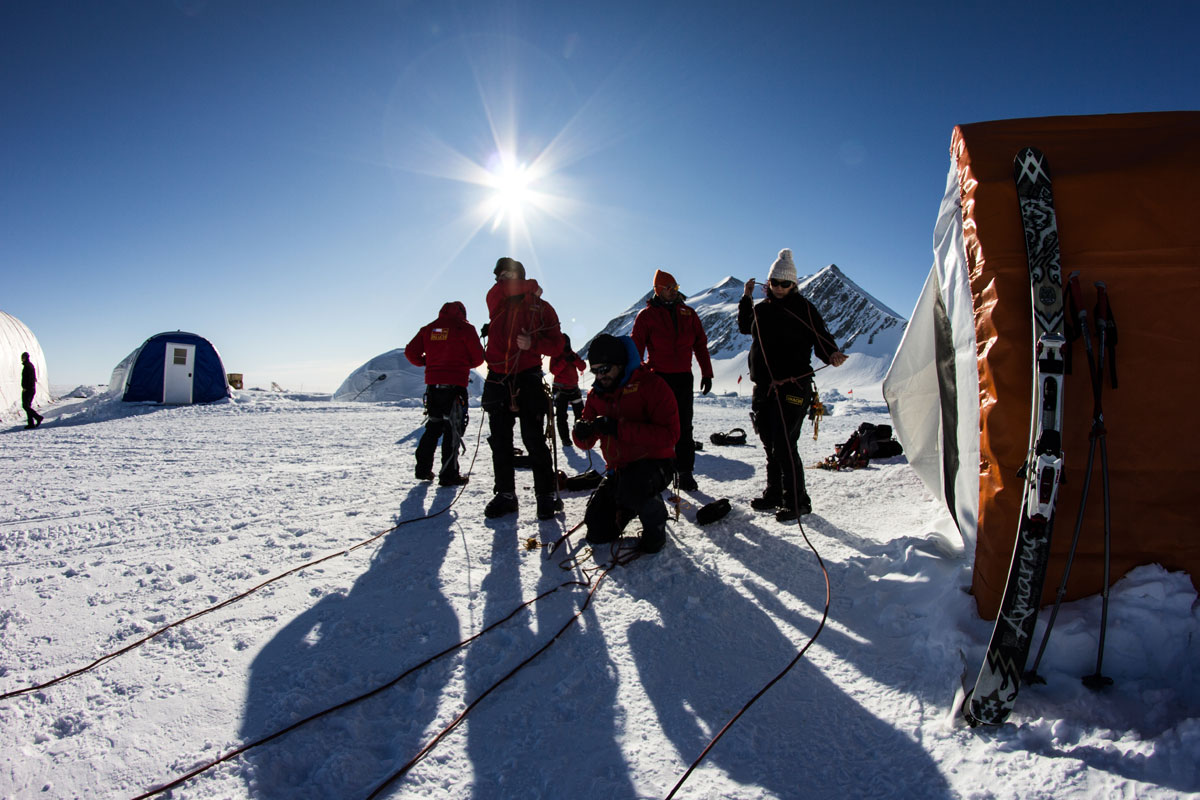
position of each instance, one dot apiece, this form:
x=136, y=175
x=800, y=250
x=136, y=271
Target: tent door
x=178, y=369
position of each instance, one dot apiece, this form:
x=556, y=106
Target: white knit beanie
x=783, y=269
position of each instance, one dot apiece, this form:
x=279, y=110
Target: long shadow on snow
x=806, y=737
x=897, y=650
x=730, y=469
x=393, y=617
x=550, y=731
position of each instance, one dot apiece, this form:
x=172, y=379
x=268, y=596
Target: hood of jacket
x=634, y=361
x=454, y=310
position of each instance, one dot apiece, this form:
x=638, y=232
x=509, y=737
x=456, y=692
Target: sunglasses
x=782, y=284
x=602, y=369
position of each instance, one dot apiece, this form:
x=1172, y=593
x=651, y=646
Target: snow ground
x=117, y=520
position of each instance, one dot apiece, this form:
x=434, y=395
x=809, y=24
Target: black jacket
x=28, y=377
x=786, y=332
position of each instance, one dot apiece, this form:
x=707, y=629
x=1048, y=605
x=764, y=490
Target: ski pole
x=368, y=386
x=1075, y=295
x=1097, y=680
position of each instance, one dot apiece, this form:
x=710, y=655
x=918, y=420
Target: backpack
x=869, y=441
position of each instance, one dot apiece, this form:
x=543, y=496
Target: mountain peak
x=859, y=323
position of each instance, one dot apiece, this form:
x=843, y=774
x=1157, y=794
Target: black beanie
x=608, y=349
x=504, y=264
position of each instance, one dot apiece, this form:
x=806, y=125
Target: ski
x=995, y=692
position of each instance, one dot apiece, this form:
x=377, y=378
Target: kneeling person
x=632, y=413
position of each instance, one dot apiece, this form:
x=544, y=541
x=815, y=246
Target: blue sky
x=301, y=182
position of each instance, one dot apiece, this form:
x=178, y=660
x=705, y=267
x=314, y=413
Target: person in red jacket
x=669, y=330
x=447, y=348
x=631, y=412
x=565, y=367
x=523, y=327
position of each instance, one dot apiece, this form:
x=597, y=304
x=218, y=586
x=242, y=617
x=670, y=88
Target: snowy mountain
x=868, y=331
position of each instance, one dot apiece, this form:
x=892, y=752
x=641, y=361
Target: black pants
x=447, y=410
x=685, y=449
x=565, y=396
x=778, y=414
x=509, y=399
x=634, y=490
x=27, y=404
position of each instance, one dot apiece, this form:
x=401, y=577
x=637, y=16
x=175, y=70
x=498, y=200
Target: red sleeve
x=589, y=413
x=474, y=346
x=638, y=334
x=549, y=339
x=415, y=351
x=700, y=348
x=495, y=297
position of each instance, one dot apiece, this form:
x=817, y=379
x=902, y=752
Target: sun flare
x=512, y=193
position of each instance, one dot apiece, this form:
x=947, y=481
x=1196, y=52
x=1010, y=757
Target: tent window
x=180, y=355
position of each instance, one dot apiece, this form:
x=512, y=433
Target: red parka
x=647, y=419
x=566, y=373
x=672, y=333
x=517, y=307
x=447, y=348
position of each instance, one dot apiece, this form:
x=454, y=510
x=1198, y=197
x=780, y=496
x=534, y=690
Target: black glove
x=606, y=426
x=705, y=385
x=584, y=429
x=483, y=332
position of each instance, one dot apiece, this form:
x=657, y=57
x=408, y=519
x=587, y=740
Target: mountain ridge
x=868, y=331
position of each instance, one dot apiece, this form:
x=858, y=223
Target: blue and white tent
x=175, y=367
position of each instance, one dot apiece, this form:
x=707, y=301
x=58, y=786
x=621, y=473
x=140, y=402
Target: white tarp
x=16, y=338
x=932, y=387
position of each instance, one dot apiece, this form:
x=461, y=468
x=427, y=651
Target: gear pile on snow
x=869, y=441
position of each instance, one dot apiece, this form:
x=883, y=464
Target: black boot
x=501, y=505
x=686, y=482
x=548, y=505
x=653, y=538
x=789, y=510
x=768, y=500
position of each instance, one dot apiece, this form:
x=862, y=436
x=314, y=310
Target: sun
x=512, y=193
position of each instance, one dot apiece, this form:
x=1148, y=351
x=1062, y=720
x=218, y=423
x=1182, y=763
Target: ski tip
x=1030, y=168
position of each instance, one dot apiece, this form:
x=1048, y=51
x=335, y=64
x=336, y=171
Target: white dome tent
x=404, y=381
x=16, y=338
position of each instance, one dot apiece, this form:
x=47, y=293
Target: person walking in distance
x=565, y=367
x=522, y=328
x=448, y=348
x=786, y=329
x=28, y=390
x=630, y=412
x=670, y=332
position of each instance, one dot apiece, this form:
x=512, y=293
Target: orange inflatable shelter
x=1125, y=193
x=1126, y=190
